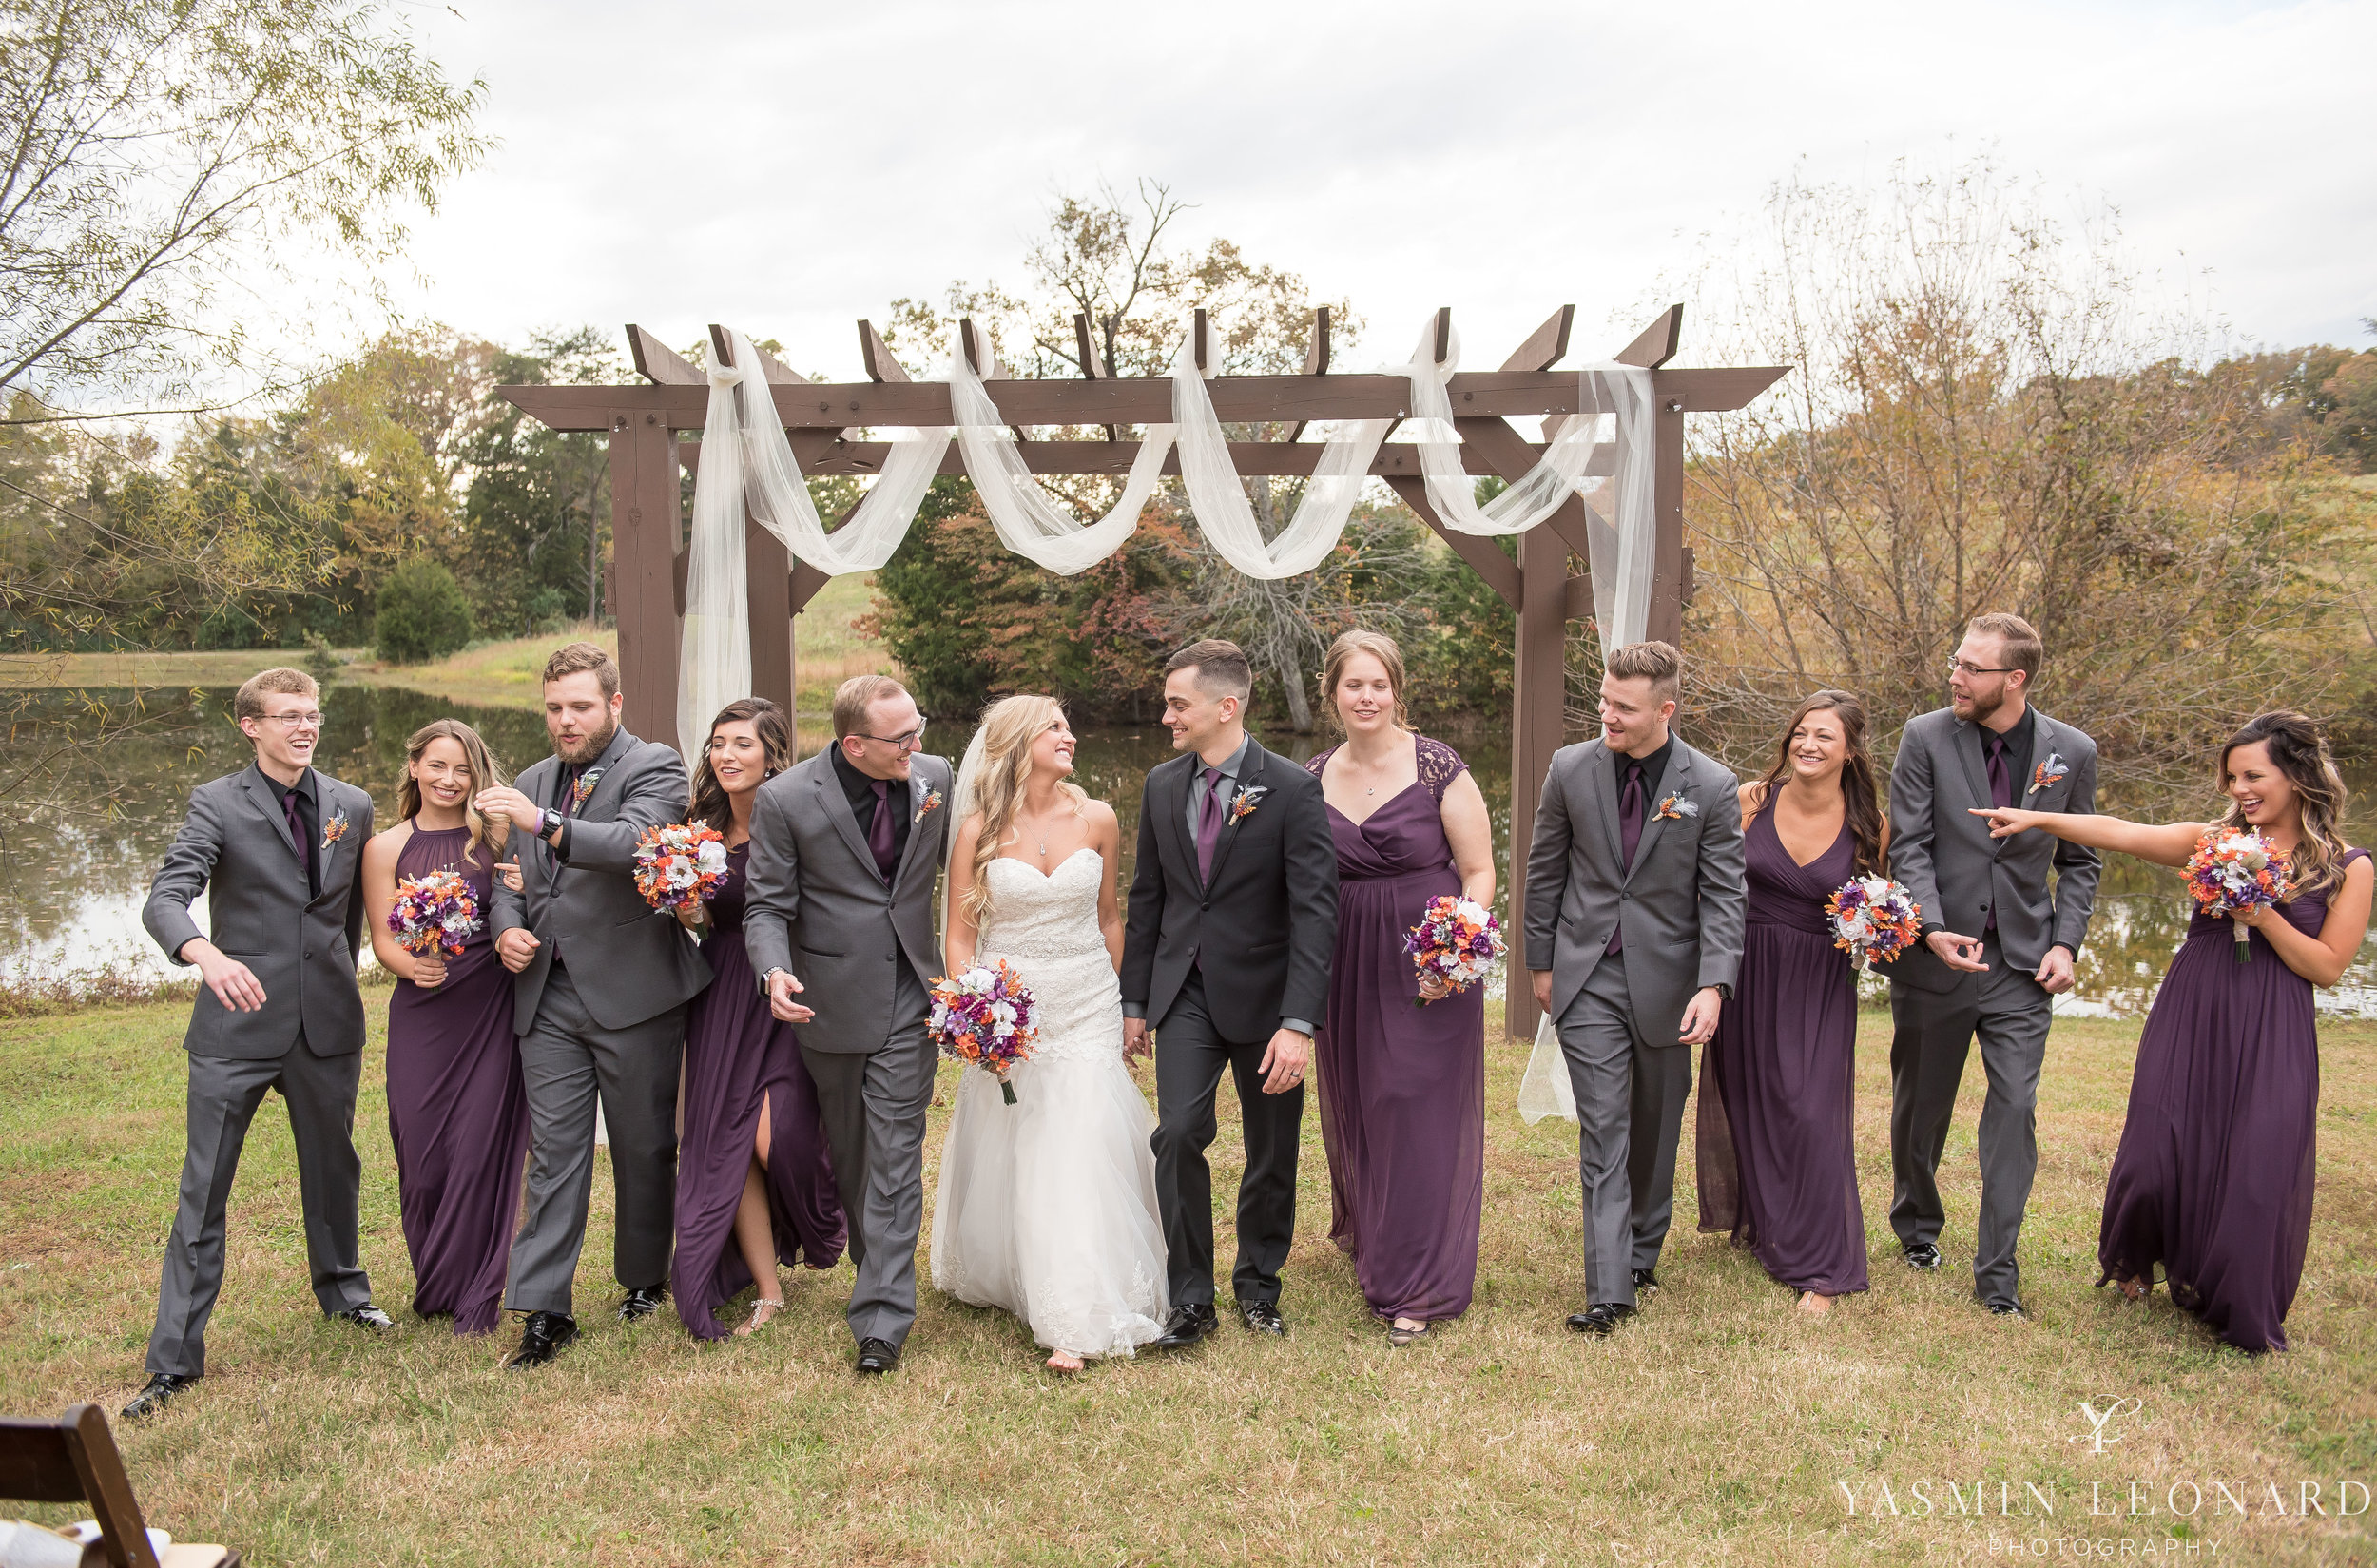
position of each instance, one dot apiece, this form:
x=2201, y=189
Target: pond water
x=76, y=859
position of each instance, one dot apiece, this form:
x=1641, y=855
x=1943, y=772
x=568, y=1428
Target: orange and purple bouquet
x=2235, y=871
x=679, y=864
x=986, y=1017
x=1456, y=939
x=1874, y=918
x=434, y=912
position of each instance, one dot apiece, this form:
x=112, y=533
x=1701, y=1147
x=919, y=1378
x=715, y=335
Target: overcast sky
x=788, y=167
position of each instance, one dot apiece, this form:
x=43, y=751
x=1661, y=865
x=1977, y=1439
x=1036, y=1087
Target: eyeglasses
x=910, y=742
x=1967, y=667
x=292, y=720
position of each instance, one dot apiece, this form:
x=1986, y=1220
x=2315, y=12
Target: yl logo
x=2100, y=1431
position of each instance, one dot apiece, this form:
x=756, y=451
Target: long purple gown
x=1777, y=1160
x=457, y=1113
x=736, y=1052
x=2213, y=1177
x=1402, y=1082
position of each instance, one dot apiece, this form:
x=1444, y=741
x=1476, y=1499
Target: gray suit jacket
x=818, y=907
x=1959, y=874
x=628, y=961
x=1681, y=904
x=234, y=846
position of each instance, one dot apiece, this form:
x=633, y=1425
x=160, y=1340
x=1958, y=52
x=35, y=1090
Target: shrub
x=423, y=614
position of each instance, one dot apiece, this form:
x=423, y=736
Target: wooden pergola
x=1546, y=587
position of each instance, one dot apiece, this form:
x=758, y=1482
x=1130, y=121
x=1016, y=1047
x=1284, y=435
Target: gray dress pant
x=223, y=1096
x=1629, y=1095
x=873, y=1104
x=1933, y=1032
x=569, y=1062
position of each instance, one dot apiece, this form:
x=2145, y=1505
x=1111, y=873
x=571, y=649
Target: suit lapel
x=837, y=805
x=1678, y=780
x=1171, y=811
x=605, y=766
x=1601, y=800
x=267, y=802
x=1975, y=766
x=328, y=806
x=920, y=784
x=1250, y=777
x=2045, y=733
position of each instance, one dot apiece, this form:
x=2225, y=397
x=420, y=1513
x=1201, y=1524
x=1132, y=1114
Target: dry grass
x=1717, y=1429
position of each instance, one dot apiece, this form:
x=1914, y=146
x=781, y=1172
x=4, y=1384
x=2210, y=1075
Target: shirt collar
x=304, y=786
x=1237, y=758
x=1653, y=767
x=2017, y=737
x=856, y=783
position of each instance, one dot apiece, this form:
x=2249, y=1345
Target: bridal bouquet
x=2231, y=872
x=434, y=912
x=1456, y=939
x=985, y=1017
x=679, y=864
x=1873, y=918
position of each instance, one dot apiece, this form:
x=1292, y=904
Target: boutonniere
x=334, y=829
x=2046, y=773
x=583, y=787
x=1675, y=808
x=1248, y=800
x=931, y=803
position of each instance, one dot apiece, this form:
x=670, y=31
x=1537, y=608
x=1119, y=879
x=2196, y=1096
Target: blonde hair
x=1009, y=727
x=1379, y=647
x=854, y=696
x=486, y=772
x=281, y=681
x=1658, y=663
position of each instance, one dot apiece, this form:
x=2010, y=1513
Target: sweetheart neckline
x=1050, y=875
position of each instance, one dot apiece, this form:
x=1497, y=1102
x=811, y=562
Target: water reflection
x=76, y=860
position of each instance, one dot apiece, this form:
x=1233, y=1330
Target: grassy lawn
x=827, y=650
x=1718, y=1428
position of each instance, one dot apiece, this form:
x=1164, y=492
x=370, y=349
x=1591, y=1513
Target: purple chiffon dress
x=2213, y=1177
x=1777, y=1159
x=736, y=1052
x=1402, y=1082
x=457, y=1113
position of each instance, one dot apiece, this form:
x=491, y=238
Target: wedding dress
x=1047, y=1206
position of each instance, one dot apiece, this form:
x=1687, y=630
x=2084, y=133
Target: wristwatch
x=1725, y=992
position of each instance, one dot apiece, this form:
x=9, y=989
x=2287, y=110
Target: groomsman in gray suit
x=599, y=991
x=838, y=922
x=1635, y=912
x=1988, y=747
x=274, y=848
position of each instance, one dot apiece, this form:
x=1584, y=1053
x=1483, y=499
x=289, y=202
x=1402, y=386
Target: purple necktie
x=1630, y=805
x=1209, y=823
x=2001, y=795
x=296, y=832
x=879, y=838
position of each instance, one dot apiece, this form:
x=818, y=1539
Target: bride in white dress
x=1047, y=1206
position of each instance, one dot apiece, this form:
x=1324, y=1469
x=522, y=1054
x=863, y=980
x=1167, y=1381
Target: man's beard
x=1984, y=707
x=588, y=747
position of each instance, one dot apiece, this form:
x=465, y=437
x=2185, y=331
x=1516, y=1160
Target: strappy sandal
x=1399, y=1336
x=763, y=1312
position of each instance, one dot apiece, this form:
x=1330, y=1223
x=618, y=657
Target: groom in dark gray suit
x=599, y=991
x=275, y=847
x=1634, y=910
x=1988, y=747
x=839, y=921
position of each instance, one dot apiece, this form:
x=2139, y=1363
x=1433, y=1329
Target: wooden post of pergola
x=1546, y=588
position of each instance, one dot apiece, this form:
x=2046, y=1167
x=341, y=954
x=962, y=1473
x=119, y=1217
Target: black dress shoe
x=366, y=1316
x=151, y=1398
x=2008, y=1309
x=544, y=1338
x=877, y=1357
x=1600, y=1320
x=643, y=1302
x=1921, y=1254
x=1188, y=1322
x=1646, y=1280
x=1262, y=1317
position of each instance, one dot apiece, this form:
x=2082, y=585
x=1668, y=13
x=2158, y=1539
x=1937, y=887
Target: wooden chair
x=74, y=1460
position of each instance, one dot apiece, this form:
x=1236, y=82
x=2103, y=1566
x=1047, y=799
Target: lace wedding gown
x=1047, y=1206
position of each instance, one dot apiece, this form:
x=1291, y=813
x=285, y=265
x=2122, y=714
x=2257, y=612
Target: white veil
x=960, y=807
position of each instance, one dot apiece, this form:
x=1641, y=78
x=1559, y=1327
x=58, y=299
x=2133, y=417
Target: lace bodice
x=1046, y=927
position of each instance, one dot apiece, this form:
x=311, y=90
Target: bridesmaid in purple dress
x=2213, y=1177
x=1777, y=1159
x=1402, y=1065
x=751, y=1162
x=457, y=1110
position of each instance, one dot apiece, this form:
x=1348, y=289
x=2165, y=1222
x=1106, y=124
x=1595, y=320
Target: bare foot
x=760, y=1312
x=1064, y=1361
x=1814, y=1305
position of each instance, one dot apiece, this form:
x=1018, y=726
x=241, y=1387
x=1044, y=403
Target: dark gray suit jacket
x=234, y=846
x=819, y=908
x=1681, y=904
x=627, y=960
x=1959, y=874
x=1264, y=928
